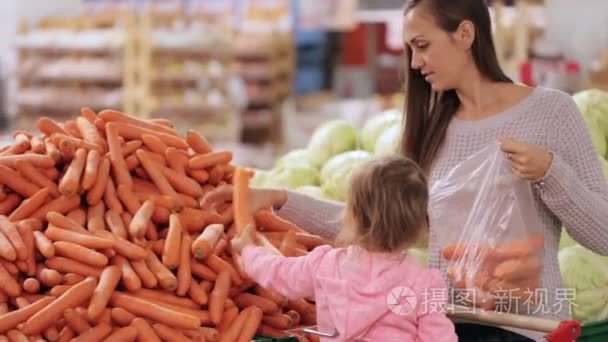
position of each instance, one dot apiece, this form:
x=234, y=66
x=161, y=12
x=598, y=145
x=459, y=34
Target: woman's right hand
x=259, y=198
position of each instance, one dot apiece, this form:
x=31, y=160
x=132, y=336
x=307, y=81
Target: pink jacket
x=358, y=292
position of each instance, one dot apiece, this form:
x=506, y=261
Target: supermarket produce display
x=102, y=235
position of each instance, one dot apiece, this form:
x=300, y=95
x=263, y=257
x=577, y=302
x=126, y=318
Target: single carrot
x=217, y=264
x=85, y=240
x=154, y=144
x=216, y=174
x=66, y=334
x=190, y=202
x=218, y=296
x=70, y=142
x=165, y=278
x=65, y=265
x=202, y=271
x=49, y=314
x=70, y=182
x=31, y=285
x=16, y=336
x=95, y=194
x=132, y=162
x=37, y=160
x=244, y=300
x=52, y=152
x=176, y=160
x=48, y=126
x=90, y=171
x=141, y=218
x=144, y=331
x=203, y=161
x=116, y=116
x=128, y=199
x=90, y=134
x=27, y=235
x=82, y=254
x=7, y=251
x=206, y=241
x=9, y=204
x=197, y=293
x=153, y=169
x=200, y=176
x=122, y=317
x=48, y=277
x=266, y=330
x=58, y=290
x=8, y=284
x=168, y=334
x=130, y=132
x=270, y=294
x=147, y=309
x=115, y=223
x=148, y=278
x=10, y=231
x=33, y=224
x=159, y=200
x=221, y=246
x=88, y=114
x=61, y=221
x=266, y=220
x=20, y=146
x=182, y=183
x=62, y=204
x=251, y=324
x=184, y=274
x=126, y=334
x=163, y=122
x=241, y=199
x=129, y=278
x=44, y=245
x=165, y=297
x=194, y=220
x=72, y=129
x=118, y=161
x=72, y=278
x=211, y=334
x=145, y=187
x=131, y=146
x=17, y=183
x=95, y=217
x=66, y=145
x=37, y=145
x=228, y=317
x=161, y=215
x=171, y=252
x=111, y=198
x=78, y=215
x=96, y=333
x=76, y=322
x=197, y=142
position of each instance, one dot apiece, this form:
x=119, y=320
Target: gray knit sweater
x=573, y=193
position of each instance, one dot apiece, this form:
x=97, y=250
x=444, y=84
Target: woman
x=460, y=101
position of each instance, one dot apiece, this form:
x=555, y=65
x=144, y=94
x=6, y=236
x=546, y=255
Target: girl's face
x=440, y=56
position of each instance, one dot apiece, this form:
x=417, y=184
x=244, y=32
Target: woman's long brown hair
x=428, y=113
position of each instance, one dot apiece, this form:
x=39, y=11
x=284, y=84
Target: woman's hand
x=259, y=198
x=528, y=161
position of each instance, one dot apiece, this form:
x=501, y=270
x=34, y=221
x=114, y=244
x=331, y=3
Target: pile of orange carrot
x=102, y=237
x=510, y=270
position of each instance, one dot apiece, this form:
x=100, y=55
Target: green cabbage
x=343, y=160
x=593, y=104
x=388, y=143
x=331, y=138
x=260, y=178
x=292, y=176
x=586, y=273
x=295, y=157
x=374, y=127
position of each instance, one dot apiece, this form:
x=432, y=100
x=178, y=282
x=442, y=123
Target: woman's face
x=440, y=56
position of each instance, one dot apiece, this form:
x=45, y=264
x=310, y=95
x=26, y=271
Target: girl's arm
x=574, y=188
x=292, y=277
x=318, y=217
x=433, y=324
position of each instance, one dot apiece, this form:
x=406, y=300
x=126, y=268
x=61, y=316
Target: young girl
x=370, y=289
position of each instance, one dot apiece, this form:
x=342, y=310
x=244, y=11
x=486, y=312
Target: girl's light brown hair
x=387, y=204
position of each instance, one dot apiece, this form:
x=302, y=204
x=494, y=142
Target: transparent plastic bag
x=489, y=232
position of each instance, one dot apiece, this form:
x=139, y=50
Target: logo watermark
x=402, y=300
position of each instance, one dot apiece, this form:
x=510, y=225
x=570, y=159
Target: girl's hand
x=528, y=161
x=245, y=238
x=259, y=198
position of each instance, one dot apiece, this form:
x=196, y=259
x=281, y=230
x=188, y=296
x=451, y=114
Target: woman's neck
x=477, y=94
